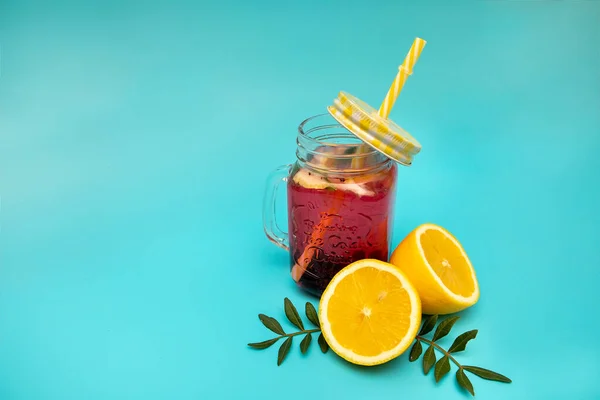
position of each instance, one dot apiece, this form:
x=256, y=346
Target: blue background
x=135, y=138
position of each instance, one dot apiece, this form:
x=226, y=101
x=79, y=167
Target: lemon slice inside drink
x=312, y=180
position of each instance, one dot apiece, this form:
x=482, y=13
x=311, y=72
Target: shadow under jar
x=340, y=196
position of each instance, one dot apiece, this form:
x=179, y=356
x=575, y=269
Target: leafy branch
x=292, y=315
x=442, y=366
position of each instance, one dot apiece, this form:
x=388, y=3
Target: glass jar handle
x=272, y=229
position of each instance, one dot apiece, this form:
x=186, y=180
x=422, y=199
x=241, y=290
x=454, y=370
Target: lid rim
x=396, y=159
x=381, y=134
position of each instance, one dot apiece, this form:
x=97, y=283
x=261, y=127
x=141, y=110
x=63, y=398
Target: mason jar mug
x=340, y=198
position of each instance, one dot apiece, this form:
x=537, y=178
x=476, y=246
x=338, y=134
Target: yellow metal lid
x=380, y=133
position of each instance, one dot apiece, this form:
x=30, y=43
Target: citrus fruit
x=312, y=180
x=439, y=268
x=369, y=312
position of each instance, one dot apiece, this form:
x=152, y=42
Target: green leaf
x=415, y=352
x=428, y=359
x=428, y=324
x=441, y=368
x=311, y=314
x=323, y=344
x=271, y=323
x=265, y=344
x=487, y=374
x=284, y=350
x=305, y=343
x=460, y=343
x=464, y=382
x=292, y=314
x=444, y=327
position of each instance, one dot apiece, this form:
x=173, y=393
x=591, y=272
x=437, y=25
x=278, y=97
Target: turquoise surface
x=135, y=137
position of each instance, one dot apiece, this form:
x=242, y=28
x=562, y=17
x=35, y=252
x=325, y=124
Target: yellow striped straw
x=403, y=72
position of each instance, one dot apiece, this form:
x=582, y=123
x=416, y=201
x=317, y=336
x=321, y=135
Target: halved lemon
x=370, y=312
x=439, y=268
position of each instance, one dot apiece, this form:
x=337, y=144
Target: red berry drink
x=335, y=220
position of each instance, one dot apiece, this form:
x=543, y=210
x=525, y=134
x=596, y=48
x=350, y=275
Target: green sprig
x=442, y=328
x=294, y=317
x=442, y=367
